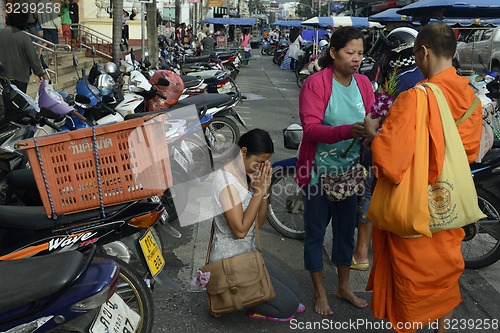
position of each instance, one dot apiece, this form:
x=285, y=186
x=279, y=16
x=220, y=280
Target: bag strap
x=469, y=111
x=209, y=247
x=466, y=115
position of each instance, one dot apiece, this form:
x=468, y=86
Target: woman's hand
x=358, y=130
x=371, y=125
x=262, y=181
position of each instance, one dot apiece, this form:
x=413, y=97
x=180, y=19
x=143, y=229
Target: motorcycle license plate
x=152, y=253
x=224, y=89
x=179, y=158
x=210, y=137
x=115, y=316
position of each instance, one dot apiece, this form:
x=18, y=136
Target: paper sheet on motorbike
x=115, y=316
x=152, y=253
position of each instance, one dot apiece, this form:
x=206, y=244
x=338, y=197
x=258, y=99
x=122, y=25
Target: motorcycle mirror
x=132, y=56
x=75, y=60
x=163, y=82
x=43, y=62
x=82, y=99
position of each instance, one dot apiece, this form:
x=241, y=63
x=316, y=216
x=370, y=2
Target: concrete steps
x=67, y=77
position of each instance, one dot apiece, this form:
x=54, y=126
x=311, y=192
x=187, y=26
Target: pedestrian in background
x=66, y=21
x=245, y=45
x=294, y=52
x=415, y=280
x=20, y=58
x=50, y=23
x=75, y=19
x=208, y=44
x=332, y=106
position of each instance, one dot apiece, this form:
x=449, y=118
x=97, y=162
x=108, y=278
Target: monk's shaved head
x=440, y=38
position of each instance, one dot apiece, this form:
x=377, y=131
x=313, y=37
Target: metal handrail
x=50, y=47
x=88, y=38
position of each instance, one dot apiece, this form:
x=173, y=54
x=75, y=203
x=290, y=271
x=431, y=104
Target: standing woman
x=245, y=45
x=295, y=44
x=332, y=107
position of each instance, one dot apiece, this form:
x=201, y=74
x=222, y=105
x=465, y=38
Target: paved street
x=273, y=105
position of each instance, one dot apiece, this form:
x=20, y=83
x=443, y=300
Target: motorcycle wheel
x=226, y=134
x=275, y=57
x=263, y=51
x=300, y=79
x=234, y=87
x=481, y=244
x=286, y=204
x=271, y=51
x=202, y=157
x=135, y=293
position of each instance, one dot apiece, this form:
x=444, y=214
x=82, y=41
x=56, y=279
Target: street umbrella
x=472, y=23
x=340, y=21
x=452, y=8
x=389, y=16
x=290, y=23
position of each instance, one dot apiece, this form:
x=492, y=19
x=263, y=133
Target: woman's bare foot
x=351, y=298
x=321, y=306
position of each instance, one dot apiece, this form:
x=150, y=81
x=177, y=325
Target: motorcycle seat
x=225, y=55
x=192, y=83
x=16, y=283
x=35, y=218
x=205, y=100
x=197, y=59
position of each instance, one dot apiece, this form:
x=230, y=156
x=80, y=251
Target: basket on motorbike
x=100, y=166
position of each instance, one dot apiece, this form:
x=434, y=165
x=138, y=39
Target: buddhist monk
x=415, y=280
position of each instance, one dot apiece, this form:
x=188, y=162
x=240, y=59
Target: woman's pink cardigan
x=313, y=100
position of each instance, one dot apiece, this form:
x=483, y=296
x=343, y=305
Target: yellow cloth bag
x=403, y=208
x=452, y=197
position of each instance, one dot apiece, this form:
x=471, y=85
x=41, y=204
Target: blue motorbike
x=63, y=291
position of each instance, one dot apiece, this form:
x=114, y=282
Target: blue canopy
x=452, y=8
x=229, y=20
x=288, y=23
x=472, y=23
x=388, y=16
x=340, y=21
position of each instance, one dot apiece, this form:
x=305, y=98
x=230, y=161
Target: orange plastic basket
x=132, y=164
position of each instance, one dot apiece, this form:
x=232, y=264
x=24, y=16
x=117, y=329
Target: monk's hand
x=372, y=126
x=358, y=130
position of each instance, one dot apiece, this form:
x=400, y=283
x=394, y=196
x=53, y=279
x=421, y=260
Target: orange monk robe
x=416, y=279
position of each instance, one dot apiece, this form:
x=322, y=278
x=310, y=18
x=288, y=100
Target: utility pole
x=177, y=12
x=152, y=33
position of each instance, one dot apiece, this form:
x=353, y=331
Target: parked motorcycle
x=67, y=291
